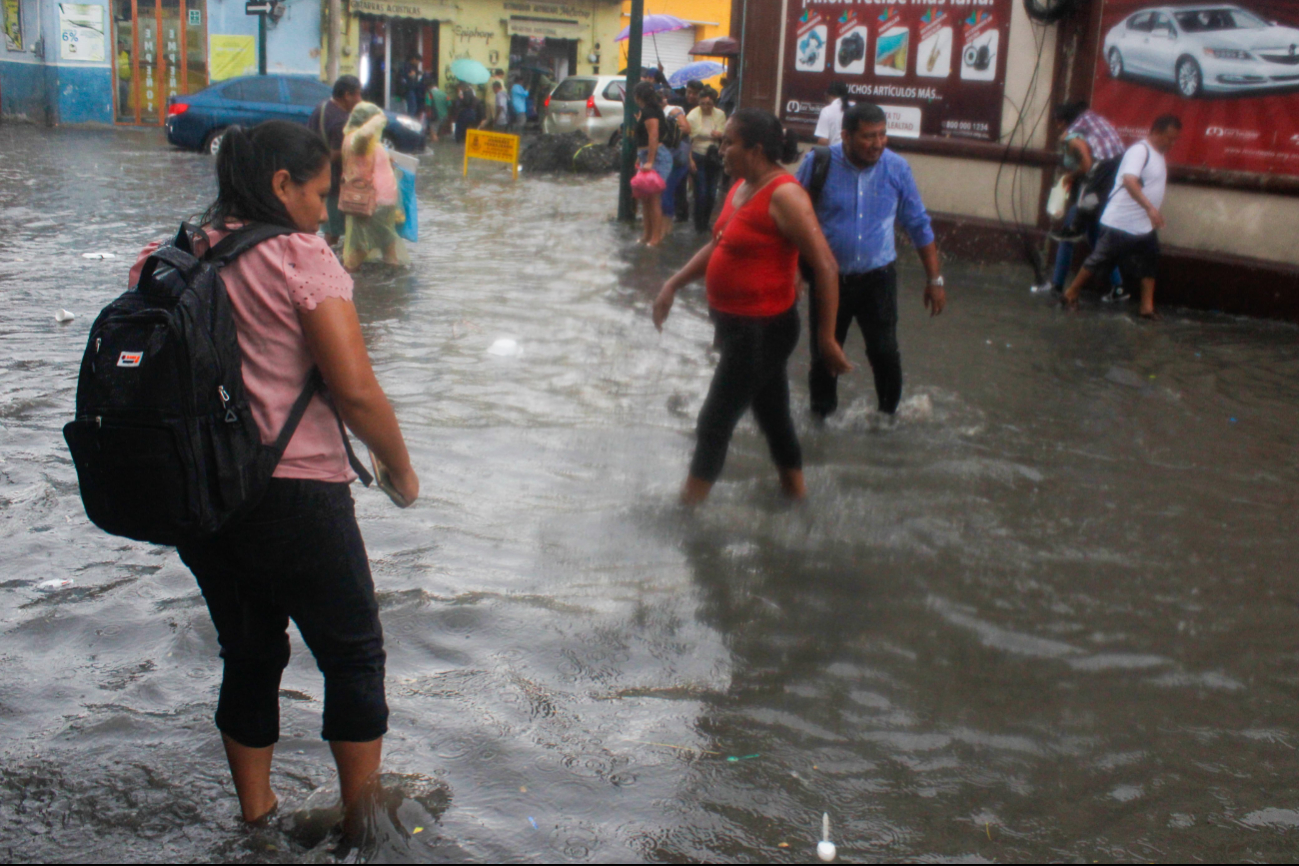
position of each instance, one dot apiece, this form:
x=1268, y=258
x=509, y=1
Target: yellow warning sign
x=493, y=146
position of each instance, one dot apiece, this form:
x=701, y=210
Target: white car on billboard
x=1204, y=49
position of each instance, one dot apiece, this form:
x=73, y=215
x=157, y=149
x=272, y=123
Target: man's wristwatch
x=937, y=281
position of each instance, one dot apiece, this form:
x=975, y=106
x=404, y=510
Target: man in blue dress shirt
x=868, y=189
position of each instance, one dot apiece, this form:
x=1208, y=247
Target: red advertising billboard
x=937, y=68
x=1230, y=71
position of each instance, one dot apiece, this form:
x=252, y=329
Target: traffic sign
x=258, y=7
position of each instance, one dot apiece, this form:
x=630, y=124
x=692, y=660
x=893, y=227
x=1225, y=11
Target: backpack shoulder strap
x=316, y=385
x=820, y=171
x=321, y=124
x=240, y=241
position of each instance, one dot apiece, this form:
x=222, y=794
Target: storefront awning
x=428, y=10
x=545, y=28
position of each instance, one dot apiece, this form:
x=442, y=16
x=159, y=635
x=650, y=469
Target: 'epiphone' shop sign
x=936, y=68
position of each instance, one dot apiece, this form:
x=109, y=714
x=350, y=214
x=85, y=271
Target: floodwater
x=1045, y=616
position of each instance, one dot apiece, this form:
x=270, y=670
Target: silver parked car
x=590, y=103
x=1204, y=49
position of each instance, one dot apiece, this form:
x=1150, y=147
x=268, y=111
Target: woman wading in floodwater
x=298, y=554
x=750, y=270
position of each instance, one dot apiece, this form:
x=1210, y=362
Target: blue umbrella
x=699, y=70
x=470, y=71
x=655, y=24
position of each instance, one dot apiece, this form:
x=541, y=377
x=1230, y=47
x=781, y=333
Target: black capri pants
x=298, y=555
x=751, y=373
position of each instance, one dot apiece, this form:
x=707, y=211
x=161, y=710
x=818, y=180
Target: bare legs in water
x=358, y=773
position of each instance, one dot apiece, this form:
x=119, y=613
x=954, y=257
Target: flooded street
x=1044, y=616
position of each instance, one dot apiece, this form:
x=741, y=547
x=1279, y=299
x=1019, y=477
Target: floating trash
x=63, y=316
x=99, y=256
x=504, y=347
x=825, y=848
x=57, y=583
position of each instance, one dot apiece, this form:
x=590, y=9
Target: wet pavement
x=1045, y=616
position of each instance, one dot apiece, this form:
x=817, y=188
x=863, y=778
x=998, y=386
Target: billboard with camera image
x=937, y=68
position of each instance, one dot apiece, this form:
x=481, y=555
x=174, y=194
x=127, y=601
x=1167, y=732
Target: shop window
x=160, y=51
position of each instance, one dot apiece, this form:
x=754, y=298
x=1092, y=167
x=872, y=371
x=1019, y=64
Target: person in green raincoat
x=366, y=163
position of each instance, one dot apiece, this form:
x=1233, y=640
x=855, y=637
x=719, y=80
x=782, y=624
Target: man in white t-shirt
x=1131, y=222
x=829, y=126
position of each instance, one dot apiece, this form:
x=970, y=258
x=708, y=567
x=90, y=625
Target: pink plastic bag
x=647, y=183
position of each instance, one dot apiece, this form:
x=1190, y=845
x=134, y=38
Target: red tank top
x=753, y=270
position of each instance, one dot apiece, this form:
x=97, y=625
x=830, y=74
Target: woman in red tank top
x=750, y=270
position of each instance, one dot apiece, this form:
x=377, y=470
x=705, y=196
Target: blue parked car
x=197, y=120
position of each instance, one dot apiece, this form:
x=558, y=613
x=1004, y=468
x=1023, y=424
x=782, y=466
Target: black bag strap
x=316, y=385
x=820, y=172
x=1118, y=181
x=241, y=240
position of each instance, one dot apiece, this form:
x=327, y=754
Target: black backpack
x=816, y=184
x=164, y=441
x=670, y=133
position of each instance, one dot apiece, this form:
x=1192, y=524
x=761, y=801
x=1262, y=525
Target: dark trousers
x=750, y=374
x=298, y=555
x=682, y=199
x=871, y=299
x=705, y=191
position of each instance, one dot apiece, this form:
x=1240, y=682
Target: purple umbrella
x=656, y=24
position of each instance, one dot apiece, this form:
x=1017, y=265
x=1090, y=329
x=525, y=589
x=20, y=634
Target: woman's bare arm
x=334, y=339
x=694, y=270
x=791, y=209
x=652, y=134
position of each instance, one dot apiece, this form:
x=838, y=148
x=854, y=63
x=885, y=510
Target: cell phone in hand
x=383, y=480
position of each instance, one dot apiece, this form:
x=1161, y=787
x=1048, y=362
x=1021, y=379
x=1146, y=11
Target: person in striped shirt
x=1091, y=146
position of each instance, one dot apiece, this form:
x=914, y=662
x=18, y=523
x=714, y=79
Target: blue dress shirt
x=859, y=207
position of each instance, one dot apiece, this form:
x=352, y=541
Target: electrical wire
x=1031, y=253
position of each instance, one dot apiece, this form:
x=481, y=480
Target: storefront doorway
x=555, y=58
x=159, y=50
x=386, y=44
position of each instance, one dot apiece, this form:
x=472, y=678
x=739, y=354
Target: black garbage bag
x=571, y=152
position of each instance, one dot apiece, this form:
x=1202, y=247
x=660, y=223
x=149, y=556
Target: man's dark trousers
x=872, y=299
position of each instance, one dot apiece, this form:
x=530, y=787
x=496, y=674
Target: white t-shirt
x=1123, y=212
x=830, y=124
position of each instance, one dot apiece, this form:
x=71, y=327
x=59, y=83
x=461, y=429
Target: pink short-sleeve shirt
x=267, y=286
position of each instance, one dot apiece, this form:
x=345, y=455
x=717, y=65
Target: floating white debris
x=100, y=256
x=504, y=347
x=64, y=316
x=57, y=583
x=825, y=848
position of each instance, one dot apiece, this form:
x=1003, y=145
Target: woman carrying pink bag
x=647, y=183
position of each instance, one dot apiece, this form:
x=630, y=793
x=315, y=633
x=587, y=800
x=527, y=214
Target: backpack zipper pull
x=232, y=417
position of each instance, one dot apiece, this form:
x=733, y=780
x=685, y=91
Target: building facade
x=708, y=19
x=118, y=61
x=535, y=40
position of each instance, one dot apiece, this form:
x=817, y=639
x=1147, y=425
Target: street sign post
x=626, y=205
x=260, y=8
